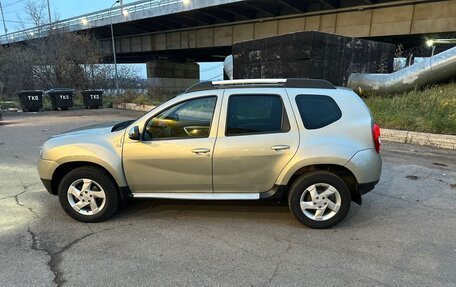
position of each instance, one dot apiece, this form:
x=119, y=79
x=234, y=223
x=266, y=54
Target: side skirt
x=275, y=193
x=200, y=196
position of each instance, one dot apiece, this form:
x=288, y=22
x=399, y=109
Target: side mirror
x=134, y=133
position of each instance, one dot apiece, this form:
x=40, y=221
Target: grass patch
x=154, y=96
x=431, y=110
x=7, y=104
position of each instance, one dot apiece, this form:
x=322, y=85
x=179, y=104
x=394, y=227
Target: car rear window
x=317, y=111
x=255, y=114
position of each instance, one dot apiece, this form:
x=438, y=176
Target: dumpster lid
x=31, y=91
x=93, y=91
x=60, y=90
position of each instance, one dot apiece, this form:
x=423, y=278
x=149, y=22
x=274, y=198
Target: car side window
x=317, y=111
x=255, y=114
x=188, y=119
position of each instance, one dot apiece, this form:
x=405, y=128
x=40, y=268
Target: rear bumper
x=364, y=188
x=366, y=166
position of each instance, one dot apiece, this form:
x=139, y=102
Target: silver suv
x=300, y=139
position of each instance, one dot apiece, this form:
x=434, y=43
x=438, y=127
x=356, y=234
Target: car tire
x=319, y=199
x=88, y=194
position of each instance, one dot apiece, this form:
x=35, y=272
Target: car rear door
x=257, y=137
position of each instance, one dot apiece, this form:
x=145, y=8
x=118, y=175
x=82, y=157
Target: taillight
x=376, y=136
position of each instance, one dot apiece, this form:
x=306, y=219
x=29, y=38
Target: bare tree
x=61, y=60
x=72, y=60
x=36, y=11
x=15, y=69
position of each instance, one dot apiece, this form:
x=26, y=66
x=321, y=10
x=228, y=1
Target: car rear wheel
x=319, y=199
x=88, y=194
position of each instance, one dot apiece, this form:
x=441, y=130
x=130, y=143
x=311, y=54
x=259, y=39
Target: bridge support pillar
x=168, y=78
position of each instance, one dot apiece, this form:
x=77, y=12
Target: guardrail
x=116, y=14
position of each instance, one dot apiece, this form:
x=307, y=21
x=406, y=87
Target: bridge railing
x=96, y=19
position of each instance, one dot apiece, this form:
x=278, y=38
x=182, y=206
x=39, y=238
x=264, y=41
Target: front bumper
x=46, y=169
x=47, y=185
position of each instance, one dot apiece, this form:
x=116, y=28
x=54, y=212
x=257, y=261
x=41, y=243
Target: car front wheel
x=88, y=194
x=319, y=199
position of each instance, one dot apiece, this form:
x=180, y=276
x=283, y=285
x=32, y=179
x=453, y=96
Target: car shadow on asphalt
x=228, y=209
x=226, y=206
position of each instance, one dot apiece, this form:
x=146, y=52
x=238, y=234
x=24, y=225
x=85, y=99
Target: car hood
x=98, y=129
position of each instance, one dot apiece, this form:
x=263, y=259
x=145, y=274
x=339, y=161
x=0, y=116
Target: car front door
x=175, y=151
x=257, y=137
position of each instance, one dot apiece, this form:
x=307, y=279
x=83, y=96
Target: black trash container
x=31, y=101
x=61, y=99
x=92, y=98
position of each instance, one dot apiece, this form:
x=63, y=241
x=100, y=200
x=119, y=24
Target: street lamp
x=114, y=47
x=431, y=43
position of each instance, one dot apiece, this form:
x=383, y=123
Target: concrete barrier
x=426, y=139
x=133, y=107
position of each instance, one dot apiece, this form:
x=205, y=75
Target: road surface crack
x=16, y=198
x=281, y=261
x=24, y=190
x=55, y=257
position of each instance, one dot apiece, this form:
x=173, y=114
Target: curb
x=133, y=107
x=426, y=139
x=400, y=136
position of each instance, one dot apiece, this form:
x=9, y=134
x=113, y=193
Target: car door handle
x=280, y=147
x=201, y=151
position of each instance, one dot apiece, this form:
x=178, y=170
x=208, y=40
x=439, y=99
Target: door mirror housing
x=134, y=133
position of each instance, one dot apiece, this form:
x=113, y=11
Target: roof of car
x=257, y=83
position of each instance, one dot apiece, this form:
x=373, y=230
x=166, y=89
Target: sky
x=62, y=9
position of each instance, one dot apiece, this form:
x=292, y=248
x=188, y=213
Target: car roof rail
x=251, y=83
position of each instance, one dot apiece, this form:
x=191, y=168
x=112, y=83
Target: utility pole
x=49, y=12
x=3, y=18
x=114, y=47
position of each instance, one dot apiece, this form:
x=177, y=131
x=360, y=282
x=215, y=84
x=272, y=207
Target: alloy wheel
x=86, y=196
x=320, y=201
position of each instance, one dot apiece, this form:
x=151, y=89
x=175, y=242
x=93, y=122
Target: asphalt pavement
x=404, y=234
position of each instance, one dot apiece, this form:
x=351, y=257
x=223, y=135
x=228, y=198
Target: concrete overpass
x=206, y=38
x=205, y=29
x=161, y=33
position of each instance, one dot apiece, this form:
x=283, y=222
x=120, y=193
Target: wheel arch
x=343, y=172
x=66, y=167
